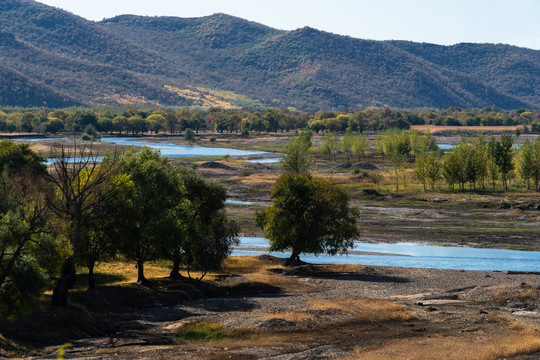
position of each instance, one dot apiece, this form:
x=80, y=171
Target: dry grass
x=435, y=128
x=256, y=271
x=246, y=265
x=122, y=273
x=515, y=293
x=478, y=346
x=367, y=310
x=255, y=178
x=289, y=316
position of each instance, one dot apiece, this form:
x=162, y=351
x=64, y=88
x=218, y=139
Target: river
x=412, y=255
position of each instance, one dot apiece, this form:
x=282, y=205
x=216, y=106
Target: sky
x=445, y=22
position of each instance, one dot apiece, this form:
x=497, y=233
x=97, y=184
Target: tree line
x=480, y=162
x=71, y=215
x=168, y=120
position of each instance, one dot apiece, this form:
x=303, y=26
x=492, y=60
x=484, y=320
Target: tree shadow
x=100, y=279
x=312, y=271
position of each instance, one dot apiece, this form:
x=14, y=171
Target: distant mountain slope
x=510, y=69
x=17, y=90
x=64, y=59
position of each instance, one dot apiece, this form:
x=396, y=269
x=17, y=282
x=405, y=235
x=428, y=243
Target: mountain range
x=50, y=57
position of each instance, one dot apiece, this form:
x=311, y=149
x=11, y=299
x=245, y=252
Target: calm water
x=238, y=202
x=178, y=151
x=417, y=256
x=166, y=149
x=265, y=161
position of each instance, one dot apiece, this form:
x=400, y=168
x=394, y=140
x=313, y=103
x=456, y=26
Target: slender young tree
x=298, y=158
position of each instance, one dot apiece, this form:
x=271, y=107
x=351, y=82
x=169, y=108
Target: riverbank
x=258, y=309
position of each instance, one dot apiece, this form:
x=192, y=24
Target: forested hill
x=51, y=57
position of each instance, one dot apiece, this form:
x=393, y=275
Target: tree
x=347, y=144
x=526, y=163
x=452, y=169
x=208, y=233
x=189, y=135
x=111, y=223
x=420, y=170
x=481, y=154
x=136, y=124
x=81, y=189
x=222, y=124
x=297, y=158
x=396, y=146
x=433, y=169
x=82, y=118
x=158, y=196
x=120, y=124
x=360, y=146
x=54, y=125
x=105, y=124
x=316, y=125
x=30, y=249
x=330, y=145
x=502, y=153
x=308, y=215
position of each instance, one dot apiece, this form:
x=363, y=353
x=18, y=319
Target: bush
x=213, y=139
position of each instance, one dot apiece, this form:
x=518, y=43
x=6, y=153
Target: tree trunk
x=294, y=259
x=175, y=272
x=140, y=271
x=67, y=280
x=91, y=283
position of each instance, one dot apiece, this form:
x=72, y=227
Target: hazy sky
x=445, y=22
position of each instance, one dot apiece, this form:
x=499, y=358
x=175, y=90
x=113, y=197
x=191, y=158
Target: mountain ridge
x=138, y=59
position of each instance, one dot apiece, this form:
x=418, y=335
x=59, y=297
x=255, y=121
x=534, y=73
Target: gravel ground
x=441, y=292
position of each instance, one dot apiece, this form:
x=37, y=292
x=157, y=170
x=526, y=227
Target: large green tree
x=206, y=233
x=158, y=198
x=308, y=215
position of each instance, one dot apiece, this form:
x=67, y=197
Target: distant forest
x=173, y=120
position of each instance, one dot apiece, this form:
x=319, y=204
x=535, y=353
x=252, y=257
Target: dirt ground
x=331, y=312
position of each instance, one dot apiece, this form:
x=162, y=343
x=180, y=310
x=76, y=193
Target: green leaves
x=297, y=158
x=24, y=285
x=308, y=215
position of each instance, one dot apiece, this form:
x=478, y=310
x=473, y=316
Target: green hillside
x=64, y=59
